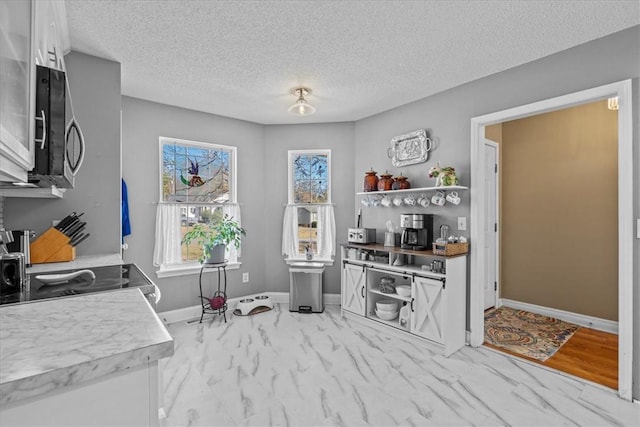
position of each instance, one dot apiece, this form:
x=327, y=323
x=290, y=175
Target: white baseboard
x=579, y=319
x=194, y=312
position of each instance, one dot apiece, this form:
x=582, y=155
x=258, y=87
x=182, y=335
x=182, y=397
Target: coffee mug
x=453, y=198
x=410, y=201
x=386, y=201
x=424, y=201
x=397, y=201
x=438, y=199
x=375, y=202
x=366, y=202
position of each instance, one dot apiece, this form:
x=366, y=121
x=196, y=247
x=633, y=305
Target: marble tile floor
x=292, y=369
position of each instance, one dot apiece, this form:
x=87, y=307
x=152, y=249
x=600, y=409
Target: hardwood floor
x=589, y=354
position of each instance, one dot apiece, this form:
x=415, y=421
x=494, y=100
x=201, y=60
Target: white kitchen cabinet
x=51, y=36
x=128, y=398
x=437, y=301
x=353, y=288
x=31, y=33
x=17, y=89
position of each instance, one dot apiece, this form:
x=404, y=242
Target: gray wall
x=338, y=137
x=95, y=88
x=143, y=122
x=447, y=114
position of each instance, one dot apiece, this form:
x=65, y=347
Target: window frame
x=291, y=178
x=233, y=165
x=193, y=266
x=291, y=197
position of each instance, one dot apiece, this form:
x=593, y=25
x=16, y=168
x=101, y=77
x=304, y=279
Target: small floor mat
x=529, y=334
x=257, y=310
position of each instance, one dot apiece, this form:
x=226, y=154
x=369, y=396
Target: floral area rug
x=529, y=334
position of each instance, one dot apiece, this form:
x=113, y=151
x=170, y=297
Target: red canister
x=370, y=181
x=401, y=183
x=385, y=182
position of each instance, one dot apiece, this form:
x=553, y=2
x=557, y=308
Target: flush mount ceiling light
x=301, y=107
x=612, y=103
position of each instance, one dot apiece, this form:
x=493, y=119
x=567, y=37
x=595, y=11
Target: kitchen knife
x=80, y=240
x=77, y=237
x=65, y=221
x=78, y=231
x=69, y=220
x=72, y=230
x=74, y=220
x=71, y=224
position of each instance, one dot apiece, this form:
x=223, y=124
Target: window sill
x=188, y=269
x=327, y=262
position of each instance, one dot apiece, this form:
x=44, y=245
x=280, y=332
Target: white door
x=353, y=292
x=490, y=223
x=427, y=309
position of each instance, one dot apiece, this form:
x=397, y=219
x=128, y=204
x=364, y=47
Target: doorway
x=622, y=90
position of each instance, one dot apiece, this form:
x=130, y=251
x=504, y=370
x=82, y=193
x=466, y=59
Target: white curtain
x=290, y=232
x=168, y=235
x=326, y=232
x=233, y=210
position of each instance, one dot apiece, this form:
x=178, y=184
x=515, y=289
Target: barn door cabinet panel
x=353, y=288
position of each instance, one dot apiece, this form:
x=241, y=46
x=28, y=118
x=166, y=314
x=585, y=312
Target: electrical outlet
x=245, y=277
x=462, y=223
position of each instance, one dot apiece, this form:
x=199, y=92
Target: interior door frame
x=623, y=90
x=497, y=233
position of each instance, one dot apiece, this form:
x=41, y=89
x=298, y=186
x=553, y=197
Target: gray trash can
x=305, y=292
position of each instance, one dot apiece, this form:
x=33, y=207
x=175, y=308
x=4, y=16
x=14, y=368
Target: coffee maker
x=417, y=233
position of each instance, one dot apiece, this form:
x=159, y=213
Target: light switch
x=462, y=223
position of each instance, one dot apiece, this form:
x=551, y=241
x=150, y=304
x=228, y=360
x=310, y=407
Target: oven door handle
x=56, y=279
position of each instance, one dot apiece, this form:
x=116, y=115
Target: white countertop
x=55, y=343
x=87, y=261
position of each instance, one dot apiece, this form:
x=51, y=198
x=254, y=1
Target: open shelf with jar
x=415, y=190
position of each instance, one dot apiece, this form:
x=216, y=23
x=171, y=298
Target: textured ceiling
x=243, y=58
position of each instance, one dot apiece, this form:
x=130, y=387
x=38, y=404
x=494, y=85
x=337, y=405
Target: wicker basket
x=449, y=249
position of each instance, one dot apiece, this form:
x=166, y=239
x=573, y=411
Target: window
x=309, y=188
x=197, y=186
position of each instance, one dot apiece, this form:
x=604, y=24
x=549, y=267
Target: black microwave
x=51, y=158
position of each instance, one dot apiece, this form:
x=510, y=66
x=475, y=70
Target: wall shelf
x=415, y=190
x=52, y=192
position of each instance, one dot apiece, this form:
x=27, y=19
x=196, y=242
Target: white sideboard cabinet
x=437, y=303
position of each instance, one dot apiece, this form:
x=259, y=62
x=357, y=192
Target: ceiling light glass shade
x=301, y=107
x=612, y=104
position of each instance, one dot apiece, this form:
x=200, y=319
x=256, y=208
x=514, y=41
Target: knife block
x=52, y=246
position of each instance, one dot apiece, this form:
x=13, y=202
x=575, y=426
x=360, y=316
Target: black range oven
x=68, y=283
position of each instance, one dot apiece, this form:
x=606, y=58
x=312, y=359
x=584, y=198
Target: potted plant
x=215, y=238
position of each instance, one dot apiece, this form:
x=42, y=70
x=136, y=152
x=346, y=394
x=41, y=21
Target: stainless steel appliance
x=12, y=273
x=60, y=148
x=68, y=283
x=362, y=235
x=417, y=233
x=21, y=243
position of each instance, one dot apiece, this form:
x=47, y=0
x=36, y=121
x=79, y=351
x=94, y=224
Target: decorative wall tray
x=410, y=148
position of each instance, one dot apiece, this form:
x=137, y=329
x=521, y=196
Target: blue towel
x=126, y=226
